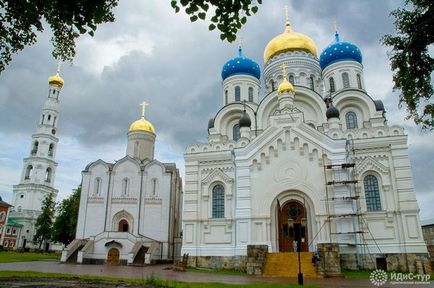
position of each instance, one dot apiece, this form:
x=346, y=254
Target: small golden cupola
x=285, y=86
x=289, y=41
x=142, y=124
x=56, y=80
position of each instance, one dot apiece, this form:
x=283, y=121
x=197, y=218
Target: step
x=275, y=265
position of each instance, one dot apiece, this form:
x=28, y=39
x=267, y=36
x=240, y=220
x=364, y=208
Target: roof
x=12, y=222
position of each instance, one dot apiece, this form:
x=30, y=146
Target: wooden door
x=295, y=211
x=113, y=256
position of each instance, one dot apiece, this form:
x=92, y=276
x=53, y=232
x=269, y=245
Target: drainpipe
x=140, y=198
x=108, y=195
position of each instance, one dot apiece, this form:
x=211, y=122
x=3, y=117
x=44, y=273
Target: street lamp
x=300, y=227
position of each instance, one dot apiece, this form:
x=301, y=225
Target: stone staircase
x=285, y=264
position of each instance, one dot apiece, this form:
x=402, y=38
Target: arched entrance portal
x=290, y=217
x=113, y=256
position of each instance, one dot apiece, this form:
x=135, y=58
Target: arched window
x=48, y=175
x=136, y=149
x=359, y=81
x=49, y=117
x=50, y=149
x=291, y=79
x=250, y=94
x=272, y=85
x=29, y=170
x=346, y=80
x=218, y=201
x=35, y=148
x=237, y=93
x=311, y=83
x=332, y=85
x=226, y=97
x=123, y=226
x=351, y=119
x=125, y=186
x=54, y=121
x=43, y=118
x=236, y=132
x=372, y=193
x=154, y=186
x=97, y=187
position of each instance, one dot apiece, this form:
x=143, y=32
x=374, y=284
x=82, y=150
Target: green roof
x=13, y=223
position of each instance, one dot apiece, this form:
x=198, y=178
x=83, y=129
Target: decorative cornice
x=217, y=174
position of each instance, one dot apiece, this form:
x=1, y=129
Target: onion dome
x=289, y=41
x=339, y=51
x=142, y=124
x=285, y=87
x=56, y=80
x=245, y=120
x=211, y=123
x=241, y=65
x=332, y=112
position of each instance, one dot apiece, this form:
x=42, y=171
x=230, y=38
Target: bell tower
x=39, y=167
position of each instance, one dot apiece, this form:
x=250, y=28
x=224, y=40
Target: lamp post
x=302, y=225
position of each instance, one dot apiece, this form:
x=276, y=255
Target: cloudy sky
x=150, y=53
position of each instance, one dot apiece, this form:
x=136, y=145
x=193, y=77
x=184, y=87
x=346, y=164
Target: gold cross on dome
x=58, y=67
x=286, y=8
x=143, y=104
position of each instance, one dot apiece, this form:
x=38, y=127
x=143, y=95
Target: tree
x=22, y=19
x=411, y=63
x=44, y=222
x=65, y=225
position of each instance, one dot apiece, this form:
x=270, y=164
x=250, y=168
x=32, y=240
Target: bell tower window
x=359, y=81
x=50, y=150
x=250, y=94
x=29, y=170
x=311, y=83
x=332, y=85
x=346, y=80
x=48, y=175
x=35, y=148
x=237, y=93
x=236, y=132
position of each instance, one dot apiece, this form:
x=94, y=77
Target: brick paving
x=165, y=272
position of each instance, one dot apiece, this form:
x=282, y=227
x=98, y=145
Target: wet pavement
x=165, y=272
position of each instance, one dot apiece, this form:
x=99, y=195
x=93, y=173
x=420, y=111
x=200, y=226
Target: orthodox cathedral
x=130, y=210
x=311, y=165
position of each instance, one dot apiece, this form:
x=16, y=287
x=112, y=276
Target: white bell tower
x=39, y=167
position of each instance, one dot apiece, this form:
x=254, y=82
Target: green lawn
x=11, y=256
x=153, y=281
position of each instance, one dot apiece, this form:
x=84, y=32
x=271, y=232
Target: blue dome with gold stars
x=241, y=65
x=339, y=51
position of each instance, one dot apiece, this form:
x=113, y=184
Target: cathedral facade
x=130, y=210
x=311, y=161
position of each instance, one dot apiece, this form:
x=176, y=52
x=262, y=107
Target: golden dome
x=285, y=86
x=142, y=125
x=56, y=80
x=289, y=41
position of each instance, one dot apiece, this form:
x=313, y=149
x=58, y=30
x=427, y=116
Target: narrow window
x=226, y=97
x=351, y=119
x=136, y=149
x=250, y=94
x=359, y=81
x=346, y=80
x=272, y=85
x=97, y=187
x=154, y=186
x=54, y=121
x=218, y=201
x=237, y=93
x=35, y=148
x=49, y=117
x=43, y=118
x=48, y=175
x=332, y=85
x=236, y=132
x=372, y=193
x=29, y=170
x=125, y=187
x=311, y=83
x=291, y=79
x=50, y=149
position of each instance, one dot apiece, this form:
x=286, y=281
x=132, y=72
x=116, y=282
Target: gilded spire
x=287, y=23
x=285, y=86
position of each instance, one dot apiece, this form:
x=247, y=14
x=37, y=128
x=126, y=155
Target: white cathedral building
x=130, y=210
x=300, y=164
x=39, y=168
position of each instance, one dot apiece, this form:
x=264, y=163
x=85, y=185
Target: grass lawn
x=152, y=281
x=364, y=274
x=12, y=256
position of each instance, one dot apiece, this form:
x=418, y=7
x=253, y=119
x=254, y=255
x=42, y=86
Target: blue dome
x=339, y=51
x=241, y=65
